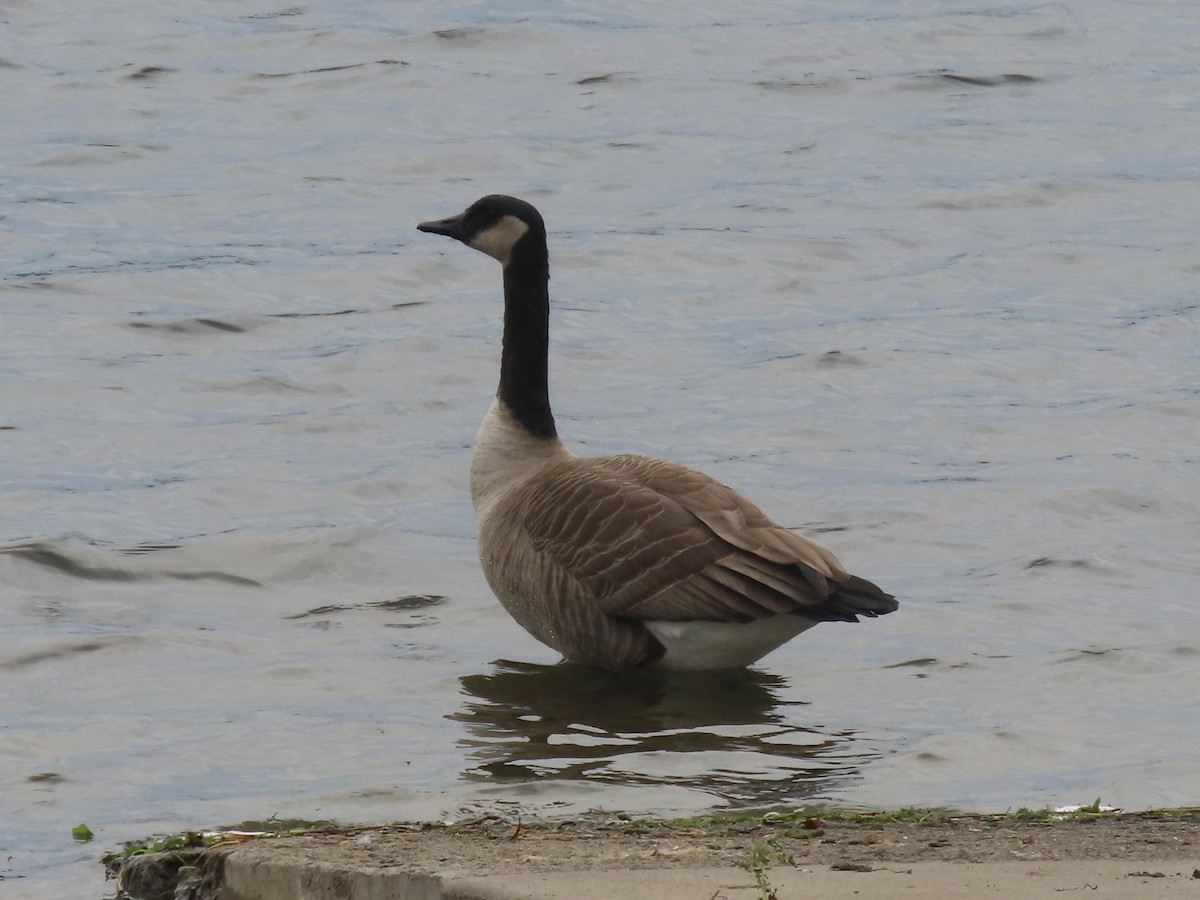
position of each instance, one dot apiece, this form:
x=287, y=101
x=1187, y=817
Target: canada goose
x=623, y=561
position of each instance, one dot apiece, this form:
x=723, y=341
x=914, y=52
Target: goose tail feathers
x=852, y=597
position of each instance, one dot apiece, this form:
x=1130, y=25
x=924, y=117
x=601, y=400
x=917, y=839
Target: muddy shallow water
x=920, y=280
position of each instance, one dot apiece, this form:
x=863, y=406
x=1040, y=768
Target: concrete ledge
x=258, y=879
x=1147, y=855
x=251, y=874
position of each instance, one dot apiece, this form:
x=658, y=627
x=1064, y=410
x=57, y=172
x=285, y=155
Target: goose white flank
x=623, y=561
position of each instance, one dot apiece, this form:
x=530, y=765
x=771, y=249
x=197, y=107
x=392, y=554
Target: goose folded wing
x=634, y=539
x=774, y=552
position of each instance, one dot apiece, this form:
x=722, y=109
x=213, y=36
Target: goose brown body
x=624, y=561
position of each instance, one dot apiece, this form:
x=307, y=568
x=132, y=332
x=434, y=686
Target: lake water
x=920, y=278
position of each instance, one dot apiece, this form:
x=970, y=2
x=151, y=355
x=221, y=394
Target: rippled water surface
x=920, y=278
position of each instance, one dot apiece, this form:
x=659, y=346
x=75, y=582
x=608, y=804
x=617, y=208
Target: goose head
x=497, y=225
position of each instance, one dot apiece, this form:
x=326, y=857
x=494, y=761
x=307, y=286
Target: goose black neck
x=524, y=386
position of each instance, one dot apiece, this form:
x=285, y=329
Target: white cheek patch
x=499, y=240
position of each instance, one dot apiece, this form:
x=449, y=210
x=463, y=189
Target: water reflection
x=732, y=735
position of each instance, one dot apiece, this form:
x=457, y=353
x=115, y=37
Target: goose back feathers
x=623, y=561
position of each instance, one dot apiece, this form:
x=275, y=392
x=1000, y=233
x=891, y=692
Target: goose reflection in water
x=729, y=734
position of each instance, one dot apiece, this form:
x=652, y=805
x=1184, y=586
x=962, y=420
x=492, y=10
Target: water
x=919, y=278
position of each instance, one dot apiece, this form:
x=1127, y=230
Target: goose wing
x=642, y=538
